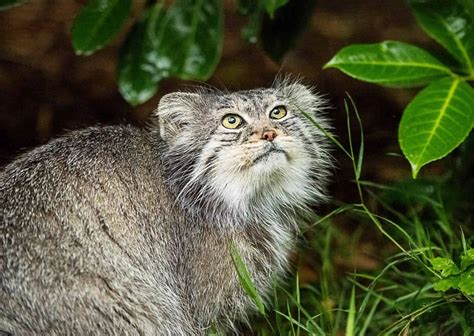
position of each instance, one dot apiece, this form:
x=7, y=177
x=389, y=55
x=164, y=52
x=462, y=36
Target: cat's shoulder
x=93, y=148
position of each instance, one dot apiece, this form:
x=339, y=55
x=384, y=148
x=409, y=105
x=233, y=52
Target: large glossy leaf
x=190, y=38
x=436, y=121
x=449, y=23
x=5, y=4
x=184, y=41
x=140, y=68
x=389, y=63
x=97, y=23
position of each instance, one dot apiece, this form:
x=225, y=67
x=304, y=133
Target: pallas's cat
x=126, y=231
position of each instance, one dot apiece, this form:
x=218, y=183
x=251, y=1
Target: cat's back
x=80, y=219
x=81, y=162
x=94, y=168
x=80, y=153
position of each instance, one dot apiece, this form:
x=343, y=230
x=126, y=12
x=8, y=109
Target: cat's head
x=245, y=152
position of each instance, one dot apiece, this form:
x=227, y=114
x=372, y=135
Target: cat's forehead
x=251, y=101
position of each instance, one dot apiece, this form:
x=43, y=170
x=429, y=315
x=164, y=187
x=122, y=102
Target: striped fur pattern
x=222, y=179
x=126, y=231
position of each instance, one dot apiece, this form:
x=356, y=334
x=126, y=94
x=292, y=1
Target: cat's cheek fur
x=278, y=180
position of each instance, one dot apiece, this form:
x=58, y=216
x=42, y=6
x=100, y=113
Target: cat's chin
x=271, y=162
x=270, y=157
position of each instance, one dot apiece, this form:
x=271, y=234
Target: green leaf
x=5, y=4
x=436, y=121
x=245, y=278
x=446, y=266
x=191, y=38
x=450, y=24
x=466, y=283
x=272, y=5
x=467, y=259
x=140, y=67
x=445, y=284
x=389, y=63
x=184, y=41
x=97, y=23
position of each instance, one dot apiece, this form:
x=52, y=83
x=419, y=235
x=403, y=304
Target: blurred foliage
x=4, y=4
x=97, y=23
x=182, y=40
x=441, y=116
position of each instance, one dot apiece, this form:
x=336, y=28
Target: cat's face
x=245, y=149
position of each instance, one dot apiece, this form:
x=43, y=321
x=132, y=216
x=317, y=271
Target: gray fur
x=126, y=231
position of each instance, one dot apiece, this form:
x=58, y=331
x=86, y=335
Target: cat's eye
x=232, y=121
x=278, y=112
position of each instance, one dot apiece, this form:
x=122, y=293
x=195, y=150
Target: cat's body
x=123, y=231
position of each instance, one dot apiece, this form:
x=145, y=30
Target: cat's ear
x=303, y=96
x=174, y=112
x=293, y=88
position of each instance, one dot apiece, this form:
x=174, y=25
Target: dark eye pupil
x=231, y=120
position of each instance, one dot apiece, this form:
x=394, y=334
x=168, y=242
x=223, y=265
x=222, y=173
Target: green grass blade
x=369, y=317
x=293, y=322
x=245, y=278
x=350, y=326
x=325, y=132
x=336, y=211
x=360, y=155
x=298, y=301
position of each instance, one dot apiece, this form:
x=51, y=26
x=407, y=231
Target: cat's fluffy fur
x=123, y=231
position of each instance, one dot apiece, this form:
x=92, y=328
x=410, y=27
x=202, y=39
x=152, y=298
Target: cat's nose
x=269, y=135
